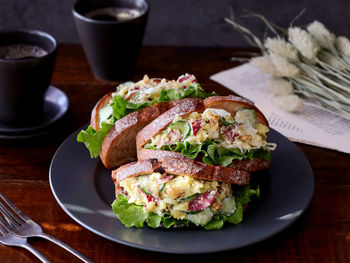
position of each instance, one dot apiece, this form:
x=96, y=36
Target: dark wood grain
x=322, y=234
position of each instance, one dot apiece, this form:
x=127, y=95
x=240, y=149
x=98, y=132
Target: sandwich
x=227, y=131
x=179, y=192
x=118, y=116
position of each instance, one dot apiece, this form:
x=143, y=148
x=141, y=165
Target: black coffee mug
x=111, y=47
x=24, y=81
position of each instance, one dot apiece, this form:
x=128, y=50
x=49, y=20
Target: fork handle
x=35, y=252
x=66, y=247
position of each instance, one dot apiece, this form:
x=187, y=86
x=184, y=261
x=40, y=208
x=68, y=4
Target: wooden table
x=322, y=234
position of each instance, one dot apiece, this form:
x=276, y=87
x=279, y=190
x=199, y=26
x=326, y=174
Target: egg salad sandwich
x=119, y=115
x=226, y=131
x=179, y=192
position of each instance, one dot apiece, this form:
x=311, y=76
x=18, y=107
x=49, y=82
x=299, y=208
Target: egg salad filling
x=130, y=97
x=173, y=200
x=148, y=89
x=218, y=136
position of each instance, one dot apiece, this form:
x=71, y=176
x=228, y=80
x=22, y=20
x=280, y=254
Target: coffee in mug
x=111, y=32
x=21, y=51
x=113, y=14
x=27, y=59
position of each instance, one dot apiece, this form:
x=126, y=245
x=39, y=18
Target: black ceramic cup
x=24, y=81
x=111, y=47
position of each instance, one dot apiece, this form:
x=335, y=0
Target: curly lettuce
x=210, y=153
x=93, y=139
x=132, y=215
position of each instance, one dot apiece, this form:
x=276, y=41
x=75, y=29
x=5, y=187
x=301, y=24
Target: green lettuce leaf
x=129, y=215
x=93, y=139
x=122, y=107
x=212, y=154
x=132, y=215
x=153, y=220
x=237, y=216
x=217, y=222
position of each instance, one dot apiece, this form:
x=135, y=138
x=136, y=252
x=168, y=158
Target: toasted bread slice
x=229, y=103
x=95, y=116
x=232, y=104
x=118, y=146
x=254, y=165
x=180, y=165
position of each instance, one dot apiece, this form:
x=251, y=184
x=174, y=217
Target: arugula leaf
x=93, y=139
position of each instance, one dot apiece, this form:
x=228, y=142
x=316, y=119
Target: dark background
x=182, y=22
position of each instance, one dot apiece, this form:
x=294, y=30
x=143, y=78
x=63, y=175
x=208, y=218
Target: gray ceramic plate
x=84, y=189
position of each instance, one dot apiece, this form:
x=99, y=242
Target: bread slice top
x=181, y=165
x=185, y=107
x=232, y=104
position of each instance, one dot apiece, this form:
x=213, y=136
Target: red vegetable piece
x=149, y=197
x=230, y=133
x=203, y=201
x=196, y=125
x=182, y=79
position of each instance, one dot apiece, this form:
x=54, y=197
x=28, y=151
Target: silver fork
x=23, y=226
x=8, y=239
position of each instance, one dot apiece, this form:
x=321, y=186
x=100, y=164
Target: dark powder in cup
x=21, y=51
x=113, y=14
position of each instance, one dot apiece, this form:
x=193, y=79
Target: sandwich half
x=226, y=131
x=178, y=192
x=118, y=116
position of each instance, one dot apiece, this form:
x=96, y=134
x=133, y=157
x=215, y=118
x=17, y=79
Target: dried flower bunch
x=304, y=63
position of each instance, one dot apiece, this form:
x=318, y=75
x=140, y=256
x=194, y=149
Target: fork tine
x=9, y=216
x=9, y=227
x=2, y=232
x=23, y=216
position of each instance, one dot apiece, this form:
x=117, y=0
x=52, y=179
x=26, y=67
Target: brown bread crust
x=232, y=104
x=229, y=103
x=180, y=165
x=118, y=146
x=254, y=165
x=95, y=117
